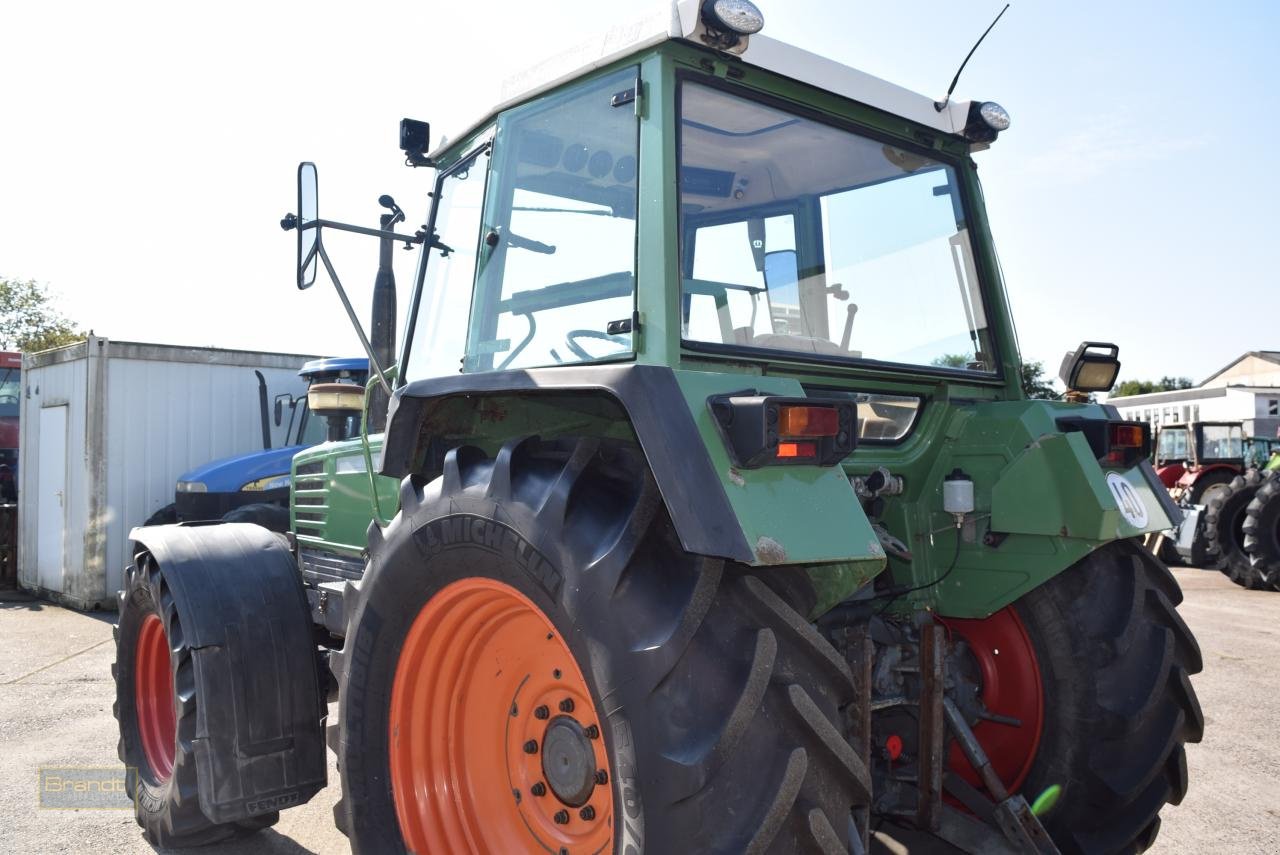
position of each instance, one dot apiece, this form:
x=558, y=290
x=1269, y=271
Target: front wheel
x=1095, y=664
x=535, y=665
x=156, y=701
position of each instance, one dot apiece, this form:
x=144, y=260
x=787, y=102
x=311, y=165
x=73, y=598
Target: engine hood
x=229, y=474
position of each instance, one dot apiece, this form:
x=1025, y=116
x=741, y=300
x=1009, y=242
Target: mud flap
x=259, y=745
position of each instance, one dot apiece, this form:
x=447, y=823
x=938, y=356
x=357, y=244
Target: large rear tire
x=712, y=707
x=1262, y=529
x=156, y=708
x=1113, y=661
x=1224, y=518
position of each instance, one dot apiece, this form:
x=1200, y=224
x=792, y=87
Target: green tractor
x=1261, y=526
x=678, y=537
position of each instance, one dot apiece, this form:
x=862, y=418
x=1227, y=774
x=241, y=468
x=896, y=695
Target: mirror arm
x=361, y=230
x=351, y=314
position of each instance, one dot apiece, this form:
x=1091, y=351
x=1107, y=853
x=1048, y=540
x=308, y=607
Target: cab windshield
x=802, y=237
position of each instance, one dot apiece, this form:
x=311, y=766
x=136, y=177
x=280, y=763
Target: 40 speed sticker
x=1132, y=508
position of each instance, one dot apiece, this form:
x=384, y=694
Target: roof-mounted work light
x=1088, y=370
x=986, y=120
x=727, y=21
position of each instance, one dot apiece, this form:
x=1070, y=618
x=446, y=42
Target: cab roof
x=333, y=365
x=680, y=20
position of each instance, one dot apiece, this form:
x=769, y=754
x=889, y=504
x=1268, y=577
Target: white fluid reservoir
x=957, y=493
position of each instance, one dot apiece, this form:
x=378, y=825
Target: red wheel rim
x=153, y=697
x=486, y=693
x=1011, y=686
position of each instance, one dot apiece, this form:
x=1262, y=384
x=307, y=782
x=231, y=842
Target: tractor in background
x=1212, y=471
x=1261, y=527
x=254, y=487
x=10, y=392
x=678, y=537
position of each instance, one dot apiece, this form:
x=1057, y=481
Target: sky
x=149, y=150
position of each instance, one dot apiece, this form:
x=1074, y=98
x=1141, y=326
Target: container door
x=51, y=509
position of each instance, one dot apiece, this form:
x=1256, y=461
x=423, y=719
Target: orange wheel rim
x=153, y=698
x=495, y=742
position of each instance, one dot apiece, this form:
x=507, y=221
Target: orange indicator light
x=797, y=449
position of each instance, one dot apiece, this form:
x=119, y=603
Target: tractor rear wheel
x=602, y=690
x=156, y=708
x=1209, y=486
x=1224, y=518
x=1095, y=664
x=1262, y=530
x=167, y=515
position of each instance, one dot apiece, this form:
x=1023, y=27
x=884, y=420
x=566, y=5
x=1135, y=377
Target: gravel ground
x=56, y=694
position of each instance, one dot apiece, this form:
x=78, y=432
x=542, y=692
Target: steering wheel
x=8, y=399
x=570, y=341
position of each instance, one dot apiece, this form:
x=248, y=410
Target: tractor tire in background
x=156, y=708
x=1262, y=529
x=1209, y=486
x=1224, y=518
x=604, y=690
x=1098, y=658
x=270, y=516
x=168, y=515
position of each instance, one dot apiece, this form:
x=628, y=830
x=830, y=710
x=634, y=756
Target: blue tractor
x=254, y=487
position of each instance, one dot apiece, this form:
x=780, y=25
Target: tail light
x=769, y=430
x=1116, y=444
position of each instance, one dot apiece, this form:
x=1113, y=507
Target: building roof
x=1172, y=396
x=680, y=19
x=1268, y=355
x=1196, y=393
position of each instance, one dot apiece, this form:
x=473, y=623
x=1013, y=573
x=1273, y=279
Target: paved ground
x=56, y=694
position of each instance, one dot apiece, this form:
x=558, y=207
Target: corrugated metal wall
x=190, y=415
x=139, y=416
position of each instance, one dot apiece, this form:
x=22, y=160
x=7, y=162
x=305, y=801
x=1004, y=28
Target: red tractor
x=10, y=388
x=1198, y=461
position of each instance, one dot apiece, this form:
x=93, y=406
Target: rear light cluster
x=768, y=430
x=1116, y=444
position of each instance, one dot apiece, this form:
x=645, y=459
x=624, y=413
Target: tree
x=1034, y=383
x=1145, y=387
x=28, y=319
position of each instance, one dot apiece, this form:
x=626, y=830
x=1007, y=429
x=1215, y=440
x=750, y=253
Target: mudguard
x=259, y=744
x=795, y=515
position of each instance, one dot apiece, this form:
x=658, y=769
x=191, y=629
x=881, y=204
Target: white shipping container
x=106, y=429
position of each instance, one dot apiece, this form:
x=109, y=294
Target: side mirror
x=415, y=141
x=279, y=407
x=308, y=232
x=1086, y=369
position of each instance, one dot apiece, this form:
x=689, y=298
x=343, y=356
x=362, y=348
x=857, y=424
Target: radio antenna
x=942, y=105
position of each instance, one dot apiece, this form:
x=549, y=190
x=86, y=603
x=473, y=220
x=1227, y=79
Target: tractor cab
x=1198, y=459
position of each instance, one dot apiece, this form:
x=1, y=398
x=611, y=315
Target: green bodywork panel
x=788, y=514
x=332, y=502
x=1042, y=499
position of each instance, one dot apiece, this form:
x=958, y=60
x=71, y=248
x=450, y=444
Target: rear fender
x=794, y=515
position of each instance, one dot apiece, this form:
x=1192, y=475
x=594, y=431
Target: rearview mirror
x=279, y=407
x=781, y=276
x=308, y=232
